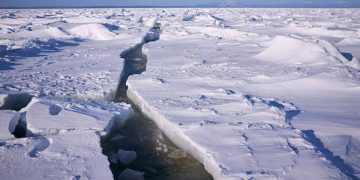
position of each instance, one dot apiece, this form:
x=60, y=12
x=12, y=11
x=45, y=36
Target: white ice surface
x=92, y=31
x=8, y=121
x=63, y=139
x=250, y=93
x=49, y=116
x=255, y=105
x=70, y=155
x=70, y=111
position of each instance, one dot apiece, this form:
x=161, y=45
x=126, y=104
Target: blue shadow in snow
x=337, y=161
x=276, y=104
x=48, y=46
x=7, y=65
x=290, y=114
x=111, y=27
x=348, y=56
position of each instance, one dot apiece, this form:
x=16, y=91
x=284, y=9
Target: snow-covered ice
x=249, y=93
x=59, y=156
x=62, y=139
x=9, y=120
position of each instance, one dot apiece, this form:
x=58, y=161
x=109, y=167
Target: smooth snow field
x=216, y=93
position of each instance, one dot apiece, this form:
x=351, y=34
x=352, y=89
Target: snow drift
x=288, y=50
x=93, y=32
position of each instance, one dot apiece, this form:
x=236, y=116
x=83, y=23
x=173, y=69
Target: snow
x=220, y=32
x=49, y=146
x=249, y=93
x=240, y=103
x=9, y=120
x=92, y=32
x=297, y=51
x=45, y=116
x=55, y=156
x=293, y=51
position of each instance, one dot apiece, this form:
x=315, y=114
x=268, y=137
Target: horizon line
x=199, y=6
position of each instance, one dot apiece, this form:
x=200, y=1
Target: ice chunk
x=126, y=157
x=129, y=174
x=51, y=116
x=188, y=17
x=40, y=121
x=154, y=33
x=333, y=51
x=149, y=21
x=55, y=109
x=117, y=137
x=113, y=158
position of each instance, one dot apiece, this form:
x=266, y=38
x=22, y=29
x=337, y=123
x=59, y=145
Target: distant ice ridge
x=204, y=17
x=335, y=53
x=29, y=38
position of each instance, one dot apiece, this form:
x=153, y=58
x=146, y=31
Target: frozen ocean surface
x=249, y=93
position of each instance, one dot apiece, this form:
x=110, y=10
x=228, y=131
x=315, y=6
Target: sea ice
x=249, y=93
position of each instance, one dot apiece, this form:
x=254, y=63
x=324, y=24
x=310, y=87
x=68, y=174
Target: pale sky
x=194, y=3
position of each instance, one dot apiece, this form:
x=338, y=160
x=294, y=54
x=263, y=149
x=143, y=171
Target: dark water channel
x=139, y=150
x=157, y=157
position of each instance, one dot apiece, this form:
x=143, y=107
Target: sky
x=190, y=3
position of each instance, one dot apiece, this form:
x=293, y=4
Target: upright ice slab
x=135, y=60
